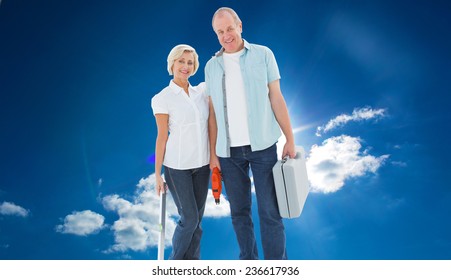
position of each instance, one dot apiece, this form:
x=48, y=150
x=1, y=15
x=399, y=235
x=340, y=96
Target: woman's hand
x=160, y=185
x=214, y=162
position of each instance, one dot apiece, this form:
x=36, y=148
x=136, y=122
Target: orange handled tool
x=216, y=184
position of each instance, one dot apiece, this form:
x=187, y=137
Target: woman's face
x=183, y=66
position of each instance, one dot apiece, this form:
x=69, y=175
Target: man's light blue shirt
x=258, y=68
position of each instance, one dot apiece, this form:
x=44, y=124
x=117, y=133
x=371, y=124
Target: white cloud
x=216, y=211
x=338, y=159
x=358, y=114
x=138, y=225
x=9, y=208
x=399, y=163
x=82, y=223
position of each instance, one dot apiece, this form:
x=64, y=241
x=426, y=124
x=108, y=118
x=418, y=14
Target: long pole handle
x=162, y=225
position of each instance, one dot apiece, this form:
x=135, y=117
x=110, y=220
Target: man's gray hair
x=223, y=10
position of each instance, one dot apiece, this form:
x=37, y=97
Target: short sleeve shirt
x=187, y=146
x=258, y=68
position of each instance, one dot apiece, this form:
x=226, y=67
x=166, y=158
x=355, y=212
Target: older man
x=249, y=112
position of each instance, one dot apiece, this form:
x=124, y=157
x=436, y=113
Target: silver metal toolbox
x=292, y=185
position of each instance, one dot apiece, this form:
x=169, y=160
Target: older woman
x=181, y=112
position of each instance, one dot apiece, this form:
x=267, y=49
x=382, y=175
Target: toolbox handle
x=300, y=154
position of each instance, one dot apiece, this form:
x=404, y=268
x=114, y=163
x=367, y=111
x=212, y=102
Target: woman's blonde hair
x=177, y=52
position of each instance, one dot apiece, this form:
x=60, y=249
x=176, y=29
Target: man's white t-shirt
x=236, y=100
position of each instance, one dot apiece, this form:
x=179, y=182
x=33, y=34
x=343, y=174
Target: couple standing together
x=232, y=121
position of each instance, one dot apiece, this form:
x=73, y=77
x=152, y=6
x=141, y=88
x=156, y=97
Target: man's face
x=228, y=32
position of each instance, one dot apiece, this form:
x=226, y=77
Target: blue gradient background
x=76, y=79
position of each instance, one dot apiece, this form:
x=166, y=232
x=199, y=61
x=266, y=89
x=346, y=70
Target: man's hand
x=289, y=149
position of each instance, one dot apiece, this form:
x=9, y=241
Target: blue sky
x=366, y=82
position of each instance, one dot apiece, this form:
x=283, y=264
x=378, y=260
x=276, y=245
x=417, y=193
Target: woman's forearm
x=160, y=148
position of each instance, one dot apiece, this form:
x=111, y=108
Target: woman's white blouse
x=187, y=146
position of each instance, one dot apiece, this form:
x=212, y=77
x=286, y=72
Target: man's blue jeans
x=235, y=171
x=189, y=190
